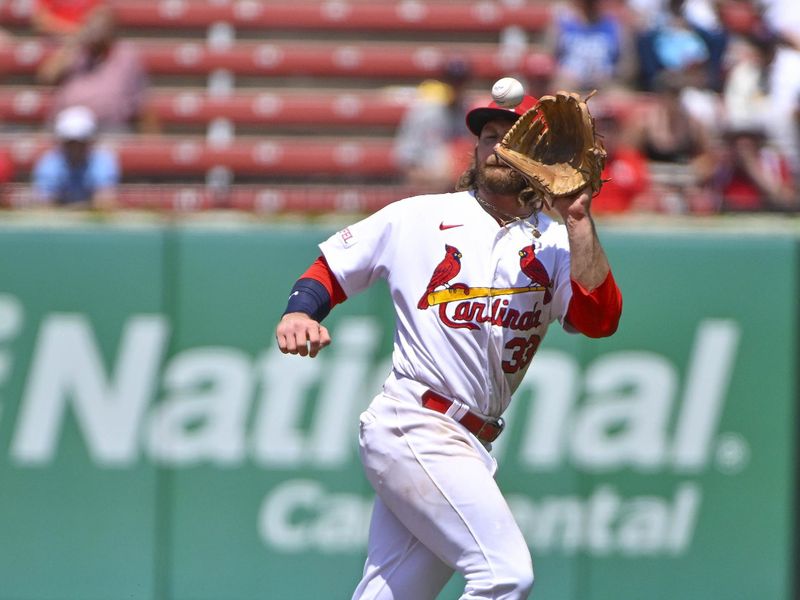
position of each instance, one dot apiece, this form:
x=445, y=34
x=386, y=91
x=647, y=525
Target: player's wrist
x=309, y=297
x=296, y=315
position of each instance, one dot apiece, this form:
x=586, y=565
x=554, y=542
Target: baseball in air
x=507, y=92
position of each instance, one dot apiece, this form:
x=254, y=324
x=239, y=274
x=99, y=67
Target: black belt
x=486, y=430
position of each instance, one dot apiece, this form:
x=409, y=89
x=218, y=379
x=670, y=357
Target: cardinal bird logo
x=533, y=268
x=447, y=269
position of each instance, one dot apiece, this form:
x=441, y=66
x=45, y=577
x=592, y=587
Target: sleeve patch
x=347, y=237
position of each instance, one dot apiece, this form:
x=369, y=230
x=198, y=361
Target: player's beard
x=498, y=178
x=493, y=177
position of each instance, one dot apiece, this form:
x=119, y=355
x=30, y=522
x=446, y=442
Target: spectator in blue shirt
x=592, y=47
x=76, y=172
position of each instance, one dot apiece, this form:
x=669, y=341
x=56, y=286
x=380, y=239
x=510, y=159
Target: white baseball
x=507, y=92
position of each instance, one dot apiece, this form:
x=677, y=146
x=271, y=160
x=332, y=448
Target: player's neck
x=502, y=207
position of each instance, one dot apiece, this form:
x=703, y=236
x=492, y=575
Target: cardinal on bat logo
x=444, y=272
x=533, y=268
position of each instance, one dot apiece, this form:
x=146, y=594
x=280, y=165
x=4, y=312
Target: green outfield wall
x=154, y=444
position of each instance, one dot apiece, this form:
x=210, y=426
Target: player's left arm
x=316, y=292
x=596, y=304
x=358, y=255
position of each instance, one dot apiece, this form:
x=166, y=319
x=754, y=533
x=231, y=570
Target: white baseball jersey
x=472, y=299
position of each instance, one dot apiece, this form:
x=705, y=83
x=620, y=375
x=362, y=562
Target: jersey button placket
x=494, y=348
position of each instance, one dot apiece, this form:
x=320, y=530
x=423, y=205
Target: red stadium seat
x=457, y=15
x=193, y=156
x=259, y=199
x=315, y=59
x=321, y=108
x=265, y=199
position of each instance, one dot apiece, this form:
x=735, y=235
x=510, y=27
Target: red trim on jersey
x=595, y=314
x=321, y=271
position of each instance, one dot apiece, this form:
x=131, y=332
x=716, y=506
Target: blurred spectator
x=592, y=48
x=96, y=70
x=782, y=17
x=626, y=173
x=668, y=132
x=432, y=147
x=741, y=17
x=746, y=91
x=707, y=15
x=753, y=176
x=702, y=103
x=678, y=38
x=76, y=172
x=59, y=18
x=782, y=20
x=678, y=146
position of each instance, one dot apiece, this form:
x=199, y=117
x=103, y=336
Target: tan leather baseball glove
x=554, y=145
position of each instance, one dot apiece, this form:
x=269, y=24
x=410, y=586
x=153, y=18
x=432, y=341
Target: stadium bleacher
x=363, y=60
x=308, y=199
x=278, y=95
x=462, y=16
x=196, y=106
x=311, y=93
x=159, y=157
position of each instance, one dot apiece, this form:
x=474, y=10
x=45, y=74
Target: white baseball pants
x=438, y=509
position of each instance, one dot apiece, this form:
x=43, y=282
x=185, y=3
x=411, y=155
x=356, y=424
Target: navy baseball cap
x=480, y=116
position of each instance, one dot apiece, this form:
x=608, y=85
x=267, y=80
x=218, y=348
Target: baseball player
x=476, y=278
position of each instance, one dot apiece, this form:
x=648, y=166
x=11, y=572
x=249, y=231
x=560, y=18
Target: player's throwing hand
x=297, y=333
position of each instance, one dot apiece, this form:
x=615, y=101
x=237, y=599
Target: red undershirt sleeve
x=595, y=314
x=320, y=271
